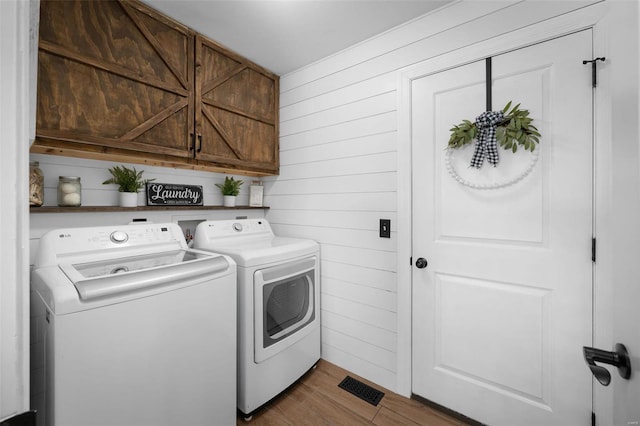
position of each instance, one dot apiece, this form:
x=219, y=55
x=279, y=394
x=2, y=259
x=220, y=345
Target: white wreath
x=495, y=185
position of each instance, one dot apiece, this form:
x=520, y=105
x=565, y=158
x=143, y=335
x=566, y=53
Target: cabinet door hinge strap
x=593, y=419
x=593, y=249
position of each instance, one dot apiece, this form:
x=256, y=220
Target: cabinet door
x=236, y=110
x=114, y=76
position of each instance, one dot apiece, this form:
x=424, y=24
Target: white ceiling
x=284, y=35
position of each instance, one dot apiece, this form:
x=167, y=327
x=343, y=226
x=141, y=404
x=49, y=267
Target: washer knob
x=237, y=227
x=118, y=237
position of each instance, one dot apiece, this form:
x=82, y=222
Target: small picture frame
x=256, y=191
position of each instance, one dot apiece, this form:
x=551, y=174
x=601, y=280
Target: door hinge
x=411, y=261
x=593, y=419
x=594, y=70
x=593, y=249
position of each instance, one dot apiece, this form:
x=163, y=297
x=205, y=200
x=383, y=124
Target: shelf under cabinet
x=98, y=209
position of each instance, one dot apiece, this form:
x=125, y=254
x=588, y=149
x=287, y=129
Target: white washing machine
x=139, y=329
x=278, y=305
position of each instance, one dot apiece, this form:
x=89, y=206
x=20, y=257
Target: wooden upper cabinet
x=112, y=75
x=236, y=109
x=120, y=81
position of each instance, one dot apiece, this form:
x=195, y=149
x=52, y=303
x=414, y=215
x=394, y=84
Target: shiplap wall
x=93, y=172
x=339, y=172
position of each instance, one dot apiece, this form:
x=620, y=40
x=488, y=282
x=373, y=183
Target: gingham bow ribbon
x=486, y=144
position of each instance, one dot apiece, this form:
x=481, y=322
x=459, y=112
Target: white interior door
x=504, y=307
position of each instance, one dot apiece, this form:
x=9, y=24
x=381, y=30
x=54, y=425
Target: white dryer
x=138, y=329
x=278, y=305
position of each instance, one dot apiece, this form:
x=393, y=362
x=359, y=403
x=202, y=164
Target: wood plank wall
x=93, y=172
x=338, y=174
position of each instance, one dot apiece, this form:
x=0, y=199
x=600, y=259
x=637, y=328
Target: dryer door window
x=288, y=305
x=285, y=302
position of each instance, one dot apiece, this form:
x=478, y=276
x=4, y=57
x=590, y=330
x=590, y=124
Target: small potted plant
x=130, y=182
x=230, y=190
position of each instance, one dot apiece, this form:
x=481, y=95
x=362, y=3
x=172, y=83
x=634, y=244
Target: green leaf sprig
x=128, y=180
x=516, y=129
x=462, y=134
x=230, y=186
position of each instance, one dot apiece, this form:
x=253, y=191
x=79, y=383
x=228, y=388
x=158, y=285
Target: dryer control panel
x=233, y=228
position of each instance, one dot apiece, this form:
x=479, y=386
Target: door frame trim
x=19, y=18
x=585, y=18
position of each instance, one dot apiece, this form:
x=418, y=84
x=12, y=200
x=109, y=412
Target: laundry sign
x=171, y=194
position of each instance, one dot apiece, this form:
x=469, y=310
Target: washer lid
x=133, y=263
x=121, y=275
x=256, y=252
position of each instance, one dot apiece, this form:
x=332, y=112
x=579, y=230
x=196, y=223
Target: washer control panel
x=86, y=242
x=80, y=240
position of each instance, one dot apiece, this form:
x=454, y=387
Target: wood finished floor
x=316, y=399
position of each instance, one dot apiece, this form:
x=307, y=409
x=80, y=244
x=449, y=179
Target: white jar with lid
x=69, y=191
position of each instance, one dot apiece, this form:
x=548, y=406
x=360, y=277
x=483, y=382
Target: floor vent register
x=361, y=390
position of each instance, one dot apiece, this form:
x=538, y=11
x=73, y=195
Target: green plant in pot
x=129, y=183
x=230, y=189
